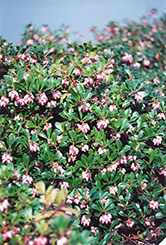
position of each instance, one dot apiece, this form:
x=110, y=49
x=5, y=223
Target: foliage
x=83, y=127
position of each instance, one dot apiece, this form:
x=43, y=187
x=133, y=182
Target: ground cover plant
x=83, y=136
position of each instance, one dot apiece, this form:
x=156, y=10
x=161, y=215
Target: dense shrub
x=88, y=120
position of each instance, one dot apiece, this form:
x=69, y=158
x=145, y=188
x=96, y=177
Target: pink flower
x=104, y=200
x=28, y=98
x=100, y=77
x=156, y=105
x=41, y=240
x=144, y=21
x=131, y=158
x=146, y=62
x=113, y=190
x=47, y=126
x=147, y=221
x=20, y=101
x=85, y=107
x=135, y=166
x=4, y=205
x=84, y=147
x=130, y=223
x=161, y=116
x=33, y=131
x=34, y=146
x=36, y=37
x=27, y=179
x=102, y=124
x=63, y=185
x=59, y=138
x=123, y=160
x=127, y=58
x=17, y=175
x=61, y=241
x=113, y=167
x=117, y=136
x=58, y=167
x=8, y=234
x=44, y=29
x=72, y=158
x=112, y=108
x=93, y=230
x=56, y=95
x=65, y=82
x=13, y=94
x=77, y=198
x=51, y=103
x=17, y=117
x=85, y=221
x=123, y=171
x=105, y=218
x=34, y=192
x=109, y=70
x=83, y=204
x=116, y=30
x=163, y=172
x=144, y=185
x=156, y=232
x=29, y=42
x=157, y=140
x=154, y=204
x=73, y=150
x=6, y=158
x=139, y=96
x=83, y=127
x=103, y=171
x=86, y=176
x=137, y=65
x=42, y=98
x=88, y=80
x=156, y=81
x=71, y=50
x=101, y=151
x=76, y=72
x=95, y=58
x=4, y=101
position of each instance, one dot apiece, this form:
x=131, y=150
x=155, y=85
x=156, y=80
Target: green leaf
x=58, y=125
x=41, y=134
x=125, y=149
x=74, y=94
x=152, y=155
x=119, y=144
x=160, y=215
x=80, y=89
x=11, y=139
x=20, y=86
x=163, y=225
x=20, y=75
x=72, y=134
x=25, y=160
x=122, y=214
x=124, y=125
x=138, y=208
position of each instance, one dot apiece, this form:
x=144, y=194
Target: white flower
x=6, y=158
x=157, y=140
x=85, y=221
x=105, y=218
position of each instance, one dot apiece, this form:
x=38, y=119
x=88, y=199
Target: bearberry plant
x=83, y=136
